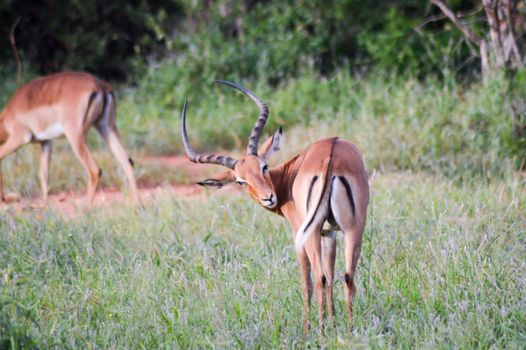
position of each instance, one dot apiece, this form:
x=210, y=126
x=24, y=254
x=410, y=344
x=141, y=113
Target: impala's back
x=45, y=106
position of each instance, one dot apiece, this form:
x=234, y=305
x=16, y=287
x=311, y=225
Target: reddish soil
x=69, y=203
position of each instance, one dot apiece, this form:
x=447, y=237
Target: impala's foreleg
x=328, y=244
x=11, y=145
x=45, y=158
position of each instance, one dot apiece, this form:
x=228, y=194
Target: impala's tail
x=317, y=212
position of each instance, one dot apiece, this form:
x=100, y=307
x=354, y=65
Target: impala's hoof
x=12, y=198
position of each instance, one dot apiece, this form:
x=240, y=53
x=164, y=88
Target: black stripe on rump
x=349, y=193
x=329, y=168
x=313, y=181
x=90, y=101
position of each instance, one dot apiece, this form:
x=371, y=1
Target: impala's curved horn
x=252, y=148
x=203, y=158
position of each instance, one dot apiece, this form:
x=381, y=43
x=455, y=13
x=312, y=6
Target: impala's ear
x=219, y=180
x=271, y=145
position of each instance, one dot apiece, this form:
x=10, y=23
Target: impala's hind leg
x=306, y=288
x=78, y=144
x=107, y=128
x=350, y=217
x=328, y=245
x=353, y=246
x=313, y=249
x=77, y=136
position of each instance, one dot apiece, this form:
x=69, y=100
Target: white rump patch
x=53, y=131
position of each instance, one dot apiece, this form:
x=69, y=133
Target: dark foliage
x=246, y=38
x=110, y=38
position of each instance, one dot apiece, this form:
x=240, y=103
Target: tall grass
x=443, y=259
x=442, y=266
x=444, y=127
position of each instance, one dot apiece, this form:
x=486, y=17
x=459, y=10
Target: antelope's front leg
x=8, y=147
x=306, y=288
x=45, y=158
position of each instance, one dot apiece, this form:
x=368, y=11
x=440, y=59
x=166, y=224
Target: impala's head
x=252, y=170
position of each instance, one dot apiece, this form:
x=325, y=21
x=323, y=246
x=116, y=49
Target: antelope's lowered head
x=252, y=170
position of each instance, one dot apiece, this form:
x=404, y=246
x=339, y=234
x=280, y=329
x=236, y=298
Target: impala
x=66, y=104
x=321, y=190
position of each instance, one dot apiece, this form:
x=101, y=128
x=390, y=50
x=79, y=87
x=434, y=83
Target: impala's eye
x=241, y=183
x=265, y=168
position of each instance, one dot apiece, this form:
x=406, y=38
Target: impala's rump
x=335, y=202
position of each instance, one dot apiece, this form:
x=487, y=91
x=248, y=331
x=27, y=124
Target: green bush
x=271, y=40
x=111, y=39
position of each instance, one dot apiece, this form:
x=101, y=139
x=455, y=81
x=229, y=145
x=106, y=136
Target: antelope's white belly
x=53, y=131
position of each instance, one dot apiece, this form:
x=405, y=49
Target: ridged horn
x=203, y=158
x=252, y=148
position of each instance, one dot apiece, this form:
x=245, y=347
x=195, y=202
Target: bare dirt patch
x=72, y=203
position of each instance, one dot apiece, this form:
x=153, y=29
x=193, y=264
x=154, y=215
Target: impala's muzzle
x=270, y=201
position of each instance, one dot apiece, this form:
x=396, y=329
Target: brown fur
x=323, y=188
x=71, y=102
x=292, y=184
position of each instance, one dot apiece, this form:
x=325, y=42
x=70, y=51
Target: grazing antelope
x=321, y=190
x=67, y=104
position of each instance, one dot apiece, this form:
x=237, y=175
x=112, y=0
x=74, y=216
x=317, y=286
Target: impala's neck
x=283, y=177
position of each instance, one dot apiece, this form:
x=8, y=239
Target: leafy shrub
x=111, y=39
x=274, y=40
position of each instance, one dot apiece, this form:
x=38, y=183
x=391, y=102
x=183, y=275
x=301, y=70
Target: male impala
x=321, y=190
x=64, y=104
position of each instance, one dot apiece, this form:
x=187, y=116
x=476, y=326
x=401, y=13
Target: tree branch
x=491, y=7
x=468, y=33
x=15, y=52
x=515, y=48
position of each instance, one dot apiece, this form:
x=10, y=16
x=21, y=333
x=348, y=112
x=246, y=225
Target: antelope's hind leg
x=328, y=246
x=313, y=248
x=80, y=148
x=107, y=128
x=77, y=136
x=306, y=288
x=350, y=217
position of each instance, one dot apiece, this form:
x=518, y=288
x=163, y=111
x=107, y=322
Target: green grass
x=442, y=127
x=442, y=266
x=443, y=261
